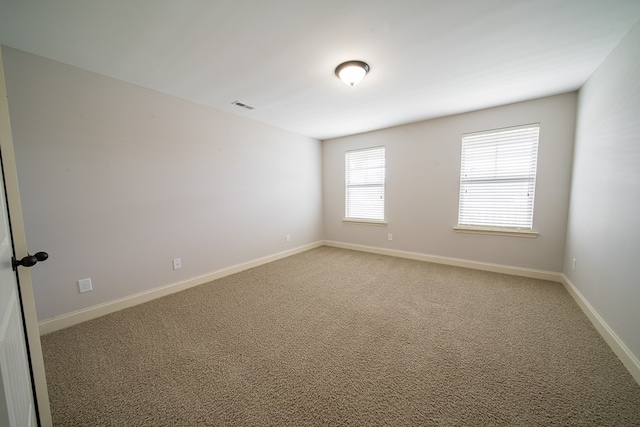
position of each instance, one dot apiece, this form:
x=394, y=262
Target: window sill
x=497, y=231
x=364, y=221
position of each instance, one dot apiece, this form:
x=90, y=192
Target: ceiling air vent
x=243, y=105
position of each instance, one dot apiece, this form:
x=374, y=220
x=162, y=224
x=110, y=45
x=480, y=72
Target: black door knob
x=29, y=260
x=41, y=256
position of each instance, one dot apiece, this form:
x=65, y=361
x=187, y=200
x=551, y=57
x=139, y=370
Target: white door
x=22, y=378
x=17, y=407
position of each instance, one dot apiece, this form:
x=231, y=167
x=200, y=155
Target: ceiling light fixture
x=352, y=72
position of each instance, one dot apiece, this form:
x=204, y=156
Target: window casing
x=498, y=177
x=365, y=181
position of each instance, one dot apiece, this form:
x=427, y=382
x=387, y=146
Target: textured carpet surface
x=337, y=337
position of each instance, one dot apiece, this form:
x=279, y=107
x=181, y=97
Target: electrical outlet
x=84, y=285
x=177, y=263
x=389, y=237
x=288, y=237
x=573, y=265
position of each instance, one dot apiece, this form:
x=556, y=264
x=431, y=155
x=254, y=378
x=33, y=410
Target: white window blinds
x=365, y=175
x=498, y=178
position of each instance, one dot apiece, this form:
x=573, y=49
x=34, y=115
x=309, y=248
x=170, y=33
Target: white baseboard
x=70, y=319
x=618, y=347
x=625, y=355
x=477, y=265
x=615, y=343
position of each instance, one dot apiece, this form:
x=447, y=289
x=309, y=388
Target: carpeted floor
x=343, y=338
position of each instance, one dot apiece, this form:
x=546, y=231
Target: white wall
x=603, y=233
x=117, y=180
x=423, y=173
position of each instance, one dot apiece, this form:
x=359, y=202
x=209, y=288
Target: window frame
x=368, y=183
x=500, y=178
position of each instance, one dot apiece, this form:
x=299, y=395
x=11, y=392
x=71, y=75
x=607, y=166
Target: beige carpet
x=342, y=338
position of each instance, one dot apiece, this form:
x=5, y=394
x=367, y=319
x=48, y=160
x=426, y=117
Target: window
x=498, y=178
x=365, y=174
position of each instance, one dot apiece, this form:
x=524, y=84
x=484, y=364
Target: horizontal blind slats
x=497, y=181
x=365, y=182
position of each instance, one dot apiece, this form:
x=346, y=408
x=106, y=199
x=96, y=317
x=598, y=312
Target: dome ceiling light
x=352, y=72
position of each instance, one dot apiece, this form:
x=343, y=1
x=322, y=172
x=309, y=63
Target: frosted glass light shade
x=352, y=72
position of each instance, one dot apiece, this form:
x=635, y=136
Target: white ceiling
x=428, y=58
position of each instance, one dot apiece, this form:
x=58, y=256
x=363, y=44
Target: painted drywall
x=605, y=193
x=117, y=180
x=423, y=177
